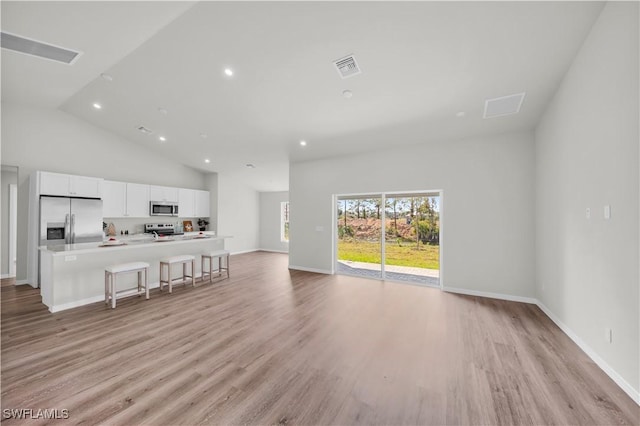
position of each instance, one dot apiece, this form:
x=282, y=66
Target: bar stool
x=111, y=272
x=212, y=255
x=184, y=259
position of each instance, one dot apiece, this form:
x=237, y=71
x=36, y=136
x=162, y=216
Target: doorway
x=8, y=232
x=390, y=236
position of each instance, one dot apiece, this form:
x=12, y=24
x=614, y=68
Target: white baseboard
x=303, y=268
x=244, y=251
x=617, y=378
x=23, y=282
x=3, y=276
x=274, y=251
x=509, y=297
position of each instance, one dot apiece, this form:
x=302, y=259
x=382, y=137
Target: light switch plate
x=607, y=212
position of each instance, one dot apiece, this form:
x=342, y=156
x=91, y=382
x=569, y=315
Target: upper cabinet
x=163, y=193
x=114, y=199
x=122, y=199
x=70, y=185
x=202, y=204
x=186, y=202
x=137, y=200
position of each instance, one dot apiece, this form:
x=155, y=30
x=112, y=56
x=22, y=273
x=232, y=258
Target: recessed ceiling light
x=107, y=77
x=206, y=160
x=303, y=143
x=347, y=94
x=97, y=106
x=163, y=111
x=251, y=166
x=228, y=72
x=460, y=114
x=162, y=139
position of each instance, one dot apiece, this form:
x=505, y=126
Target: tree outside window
x=284, y=221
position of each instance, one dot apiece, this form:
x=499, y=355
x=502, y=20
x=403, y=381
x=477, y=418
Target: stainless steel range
x=161, y=229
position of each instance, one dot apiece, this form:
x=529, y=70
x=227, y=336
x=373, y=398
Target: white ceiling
x=422, y=62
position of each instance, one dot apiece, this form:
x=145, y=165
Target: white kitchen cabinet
x=122, y=199
x=137, y=200
x=114, y=199
x=186, y=202
x=163, y=193
x=202, y=204
x=70, y=185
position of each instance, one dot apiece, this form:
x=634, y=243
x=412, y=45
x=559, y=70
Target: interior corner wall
x=488, y=187
x=52, y=140
x=587, y=148
x=238, y=214
x=270, y=212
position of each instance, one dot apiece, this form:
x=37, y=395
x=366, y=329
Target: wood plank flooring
x=273, y=346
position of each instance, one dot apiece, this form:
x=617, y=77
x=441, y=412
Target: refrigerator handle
x=73, y=229
x=67, y=230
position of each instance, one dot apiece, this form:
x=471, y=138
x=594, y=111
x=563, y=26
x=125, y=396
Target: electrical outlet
x=588, y=213
x=70, y=258
x=607, y=212
x=608, y=335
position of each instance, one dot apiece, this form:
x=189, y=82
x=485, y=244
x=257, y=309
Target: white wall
x=487, y=206
x=49, y=139
x=270, y=207
x=9, y=176
x=238, y=214
x=587, y=157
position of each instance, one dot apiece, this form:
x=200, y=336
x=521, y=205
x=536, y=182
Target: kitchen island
x=72, y=275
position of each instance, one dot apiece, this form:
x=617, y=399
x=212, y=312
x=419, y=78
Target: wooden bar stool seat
x=184, y=260
x=219, y=254
x=110, y=274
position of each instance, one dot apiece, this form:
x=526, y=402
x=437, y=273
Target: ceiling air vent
x=347, y=66
x=39, y=49
x=505, y=105
x=144, y=130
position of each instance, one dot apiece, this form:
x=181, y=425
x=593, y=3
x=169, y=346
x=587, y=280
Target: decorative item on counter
x=111, y=230
x=188, y=226
x=202, y=223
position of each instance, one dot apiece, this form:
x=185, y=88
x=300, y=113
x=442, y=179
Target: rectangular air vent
x=38, y=49
x=347, y=66
x=144, y=130
x=505, y=105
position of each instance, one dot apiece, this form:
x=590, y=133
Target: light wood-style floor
x=273, y=346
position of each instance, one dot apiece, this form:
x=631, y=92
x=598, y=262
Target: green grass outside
x=405, y=254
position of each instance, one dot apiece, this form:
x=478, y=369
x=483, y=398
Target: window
x=284, y=221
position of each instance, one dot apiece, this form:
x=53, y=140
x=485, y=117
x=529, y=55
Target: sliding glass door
x=394, y=236
x=359, y=246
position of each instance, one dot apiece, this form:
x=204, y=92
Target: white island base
x=73, y=275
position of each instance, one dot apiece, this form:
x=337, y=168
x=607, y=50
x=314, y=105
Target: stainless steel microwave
x=163, y=208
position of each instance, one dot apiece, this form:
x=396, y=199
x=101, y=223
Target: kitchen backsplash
x=136, y=225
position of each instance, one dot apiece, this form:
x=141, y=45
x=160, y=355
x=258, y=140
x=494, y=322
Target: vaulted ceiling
x=427, y=69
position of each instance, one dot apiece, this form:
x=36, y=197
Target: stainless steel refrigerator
x=70, y=220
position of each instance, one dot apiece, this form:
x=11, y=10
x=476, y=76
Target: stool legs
x=113, y=291
x=209, y=270
x=170, y=280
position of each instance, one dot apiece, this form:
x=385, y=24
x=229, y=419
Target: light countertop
x=130, y=242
